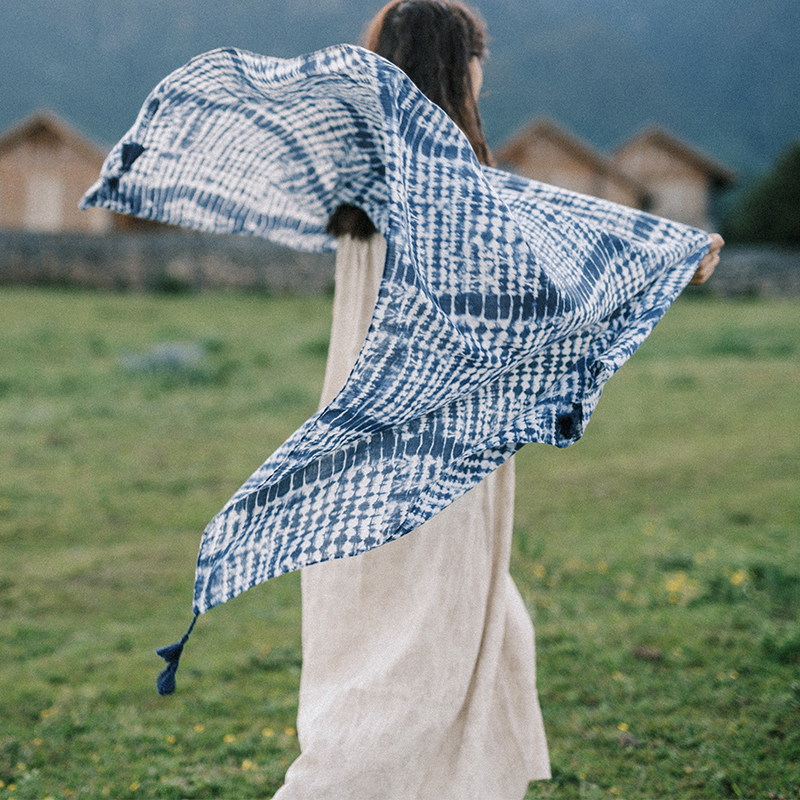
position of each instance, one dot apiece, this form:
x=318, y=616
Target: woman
x=418, y=657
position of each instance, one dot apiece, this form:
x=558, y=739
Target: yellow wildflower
x=680, y=587
x=676, y=582
x=739, y=577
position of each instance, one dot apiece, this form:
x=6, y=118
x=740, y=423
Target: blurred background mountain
x=723, y=74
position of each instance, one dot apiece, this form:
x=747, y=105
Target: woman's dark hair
x=433, y=42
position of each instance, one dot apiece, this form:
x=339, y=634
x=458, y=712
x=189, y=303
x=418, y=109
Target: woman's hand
x=707, y=265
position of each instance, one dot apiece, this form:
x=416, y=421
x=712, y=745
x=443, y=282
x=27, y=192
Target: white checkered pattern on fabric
x=505, y=304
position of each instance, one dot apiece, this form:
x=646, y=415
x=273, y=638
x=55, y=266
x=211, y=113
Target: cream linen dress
x=418, y=678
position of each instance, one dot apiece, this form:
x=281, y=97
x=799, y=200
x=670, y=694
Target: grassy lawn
x=660, y=556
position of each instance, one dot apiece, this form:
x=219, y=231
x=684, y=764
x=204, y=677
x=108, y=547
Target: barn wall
x=42, y=179
x=678, y=189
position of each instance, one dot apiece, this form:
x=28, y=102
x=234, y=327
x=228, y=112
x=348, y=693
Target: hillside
x=705, y=68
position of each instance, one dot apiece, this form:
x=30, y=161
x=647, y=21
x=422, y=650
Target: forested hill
x=724, y=74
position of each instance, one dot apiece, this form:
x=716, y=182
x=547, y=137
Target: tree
x=769, y=213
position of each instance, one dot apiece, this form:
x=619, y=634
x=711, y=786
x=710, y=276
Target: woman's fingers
x=706, y=267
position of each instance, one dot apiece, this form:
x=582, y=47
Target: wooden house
x=680, y=179
x=547, y=152
x=45, y=167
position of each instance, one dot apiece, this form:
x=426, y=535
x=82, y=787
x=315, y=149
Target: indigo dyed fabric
x=505, y=304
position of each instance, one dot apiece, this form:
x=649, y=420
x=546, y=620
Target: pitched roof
x=47, y=121
x=657, y=136
x=543, y=127
x=512, y=150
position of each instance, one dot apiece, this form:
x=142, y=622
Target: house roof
x=657, y=136
x=511, y=153
x=47, y=121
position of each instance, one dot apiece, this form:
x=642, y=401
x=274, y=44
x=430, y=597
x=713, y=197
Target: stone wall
x=181, y=261
x=162, y=261
x=755, y=272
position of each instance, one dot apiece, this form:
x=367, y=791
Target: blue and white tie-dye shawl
x=505, y=304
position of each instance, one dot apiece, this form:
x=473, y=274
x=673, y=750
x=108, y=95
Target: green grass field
x=660, y=556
